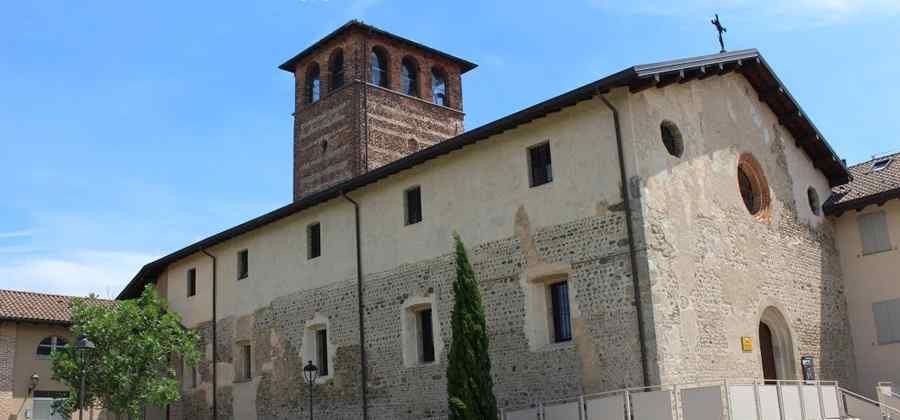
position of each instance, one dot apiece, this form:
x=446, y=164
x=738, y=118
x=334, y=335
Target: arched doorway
x=776, y=348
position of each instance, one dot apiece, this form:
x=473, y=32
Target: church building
x=667, y=223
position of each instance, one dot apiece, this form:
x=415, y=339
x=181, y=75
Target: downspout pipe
x=363, y=362
x=215, y=411
x=632, y=249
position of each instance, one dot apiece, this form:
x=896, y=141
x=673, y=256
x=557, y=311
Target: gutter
x=632, y=251
x=215, y=414
x=363, y=362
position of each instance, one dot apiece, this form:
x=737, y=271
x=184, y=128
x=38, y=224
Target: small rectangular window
x=314, y=240
x=540, y=164
x=192, y=282
x=413, y=201
x=246, y=362
x=243, y=264
x=873, y=232
x=426, y=336
x=559, y=307
x=322, y=351
x=887, y=321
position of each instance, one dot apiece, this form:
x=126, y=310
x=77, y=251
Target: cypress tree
x=469, y=386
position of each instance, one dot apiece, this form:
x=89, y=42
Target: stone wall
x=604, y=355
x=713, y=267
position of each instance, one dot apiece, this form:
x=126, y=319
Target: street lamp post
x=310, y=374
x=83, y=348
x=34, y=381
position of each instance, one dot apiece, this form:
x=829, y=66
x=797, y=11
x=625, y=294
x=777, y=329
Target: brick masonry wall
x=396, y=124
x=7, y=356
x=399, y=125
x=604, y=355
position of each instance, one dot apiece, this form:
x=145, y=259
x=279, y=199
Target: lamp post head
x=34, y=381
x=84, y=344
x=310, y=372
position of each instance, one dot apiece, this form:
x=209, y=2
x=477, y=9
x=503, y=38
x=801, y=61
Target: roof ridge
x=876, y=157
x=50, y=294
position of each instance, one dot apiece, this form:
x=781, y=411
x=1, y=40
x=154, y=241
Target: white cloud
x=76, y=273
x=16, y=234
x=778, y=13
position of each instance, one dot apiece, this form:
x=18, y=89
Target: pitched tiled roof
x=870, y=185
x=37, y=307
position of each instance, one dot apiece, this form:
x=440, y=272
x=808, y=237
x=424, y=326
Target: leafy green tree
x=130, y=367
x=469, y=385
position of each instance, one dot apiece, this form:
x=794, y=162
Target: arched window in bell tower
x=410, y=76
x=336, y=69
x=313, y=84
x=439, y=87
x=379, y=67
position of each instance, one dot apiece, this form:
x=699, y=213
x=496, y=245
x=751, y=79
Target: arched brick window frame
x=336, y=70
x=753, y=187
x=379, y=67
x=312, y=84
x=440, y=86
x=409, y=76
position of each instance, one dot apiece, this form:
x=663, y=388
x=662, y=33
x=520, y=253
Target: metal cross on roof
x=721, y=30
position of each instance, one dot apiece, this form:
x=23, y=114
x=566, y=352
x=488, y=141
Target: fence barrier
x=725, y=400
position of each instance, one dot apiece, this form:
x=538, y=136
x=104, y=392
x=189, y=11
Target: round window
x=753, y=186
x=671, y=138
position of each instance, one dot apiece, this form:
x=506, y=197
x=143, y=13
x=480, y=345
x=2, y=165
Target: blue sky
x=128, y=129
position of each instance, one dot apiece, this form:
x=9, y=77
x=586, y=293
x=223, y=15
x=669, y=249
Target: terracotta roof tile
x=37, y=307
x=868, y=183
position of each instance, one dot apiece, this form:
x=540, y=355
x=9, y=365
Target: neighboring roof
x=749, y=62
x=869, y=185
x=290, y=65
x=37, y=307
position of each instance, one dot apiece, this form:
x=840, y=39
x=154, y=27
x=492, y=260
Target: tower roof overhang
x=291, y=64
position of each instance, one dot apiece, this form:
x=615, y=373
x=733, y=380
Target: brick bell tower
x=366, y=97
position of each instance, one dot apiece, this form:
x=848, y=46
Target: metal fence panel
x=608, y=408
x=656, y=405
x=830, y=401
x=524, y=414
x=702, y=403
x=862, y=410
x=791, y=398
x=567, y=411
x=811, y=402
x=743, y=402
x=769, y=408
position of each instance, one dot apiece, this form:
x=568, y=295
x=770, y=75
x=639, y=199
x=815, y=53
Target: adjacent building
x=866, y=214
x=663, y=224
x=32, y=325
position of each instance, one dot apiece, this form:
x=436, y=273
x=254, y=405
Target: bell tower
x=364, y=98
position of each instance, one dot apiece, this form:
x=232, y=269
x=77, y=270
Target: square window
x=561, y=316
x=243, y=264
x=322, y=351
x=314, y=240
x=426, y=336
x=192, y=282
x=873, y=232
x=412, y=199
x=540, y=164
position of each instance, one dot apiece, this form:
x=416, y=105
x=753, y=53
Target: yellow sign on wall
x=747, y=344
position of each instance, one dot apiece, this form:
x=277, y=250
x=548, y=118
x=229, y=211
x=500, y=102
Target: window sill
x=242, y=381
x=557, y=346
x=885, y=251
